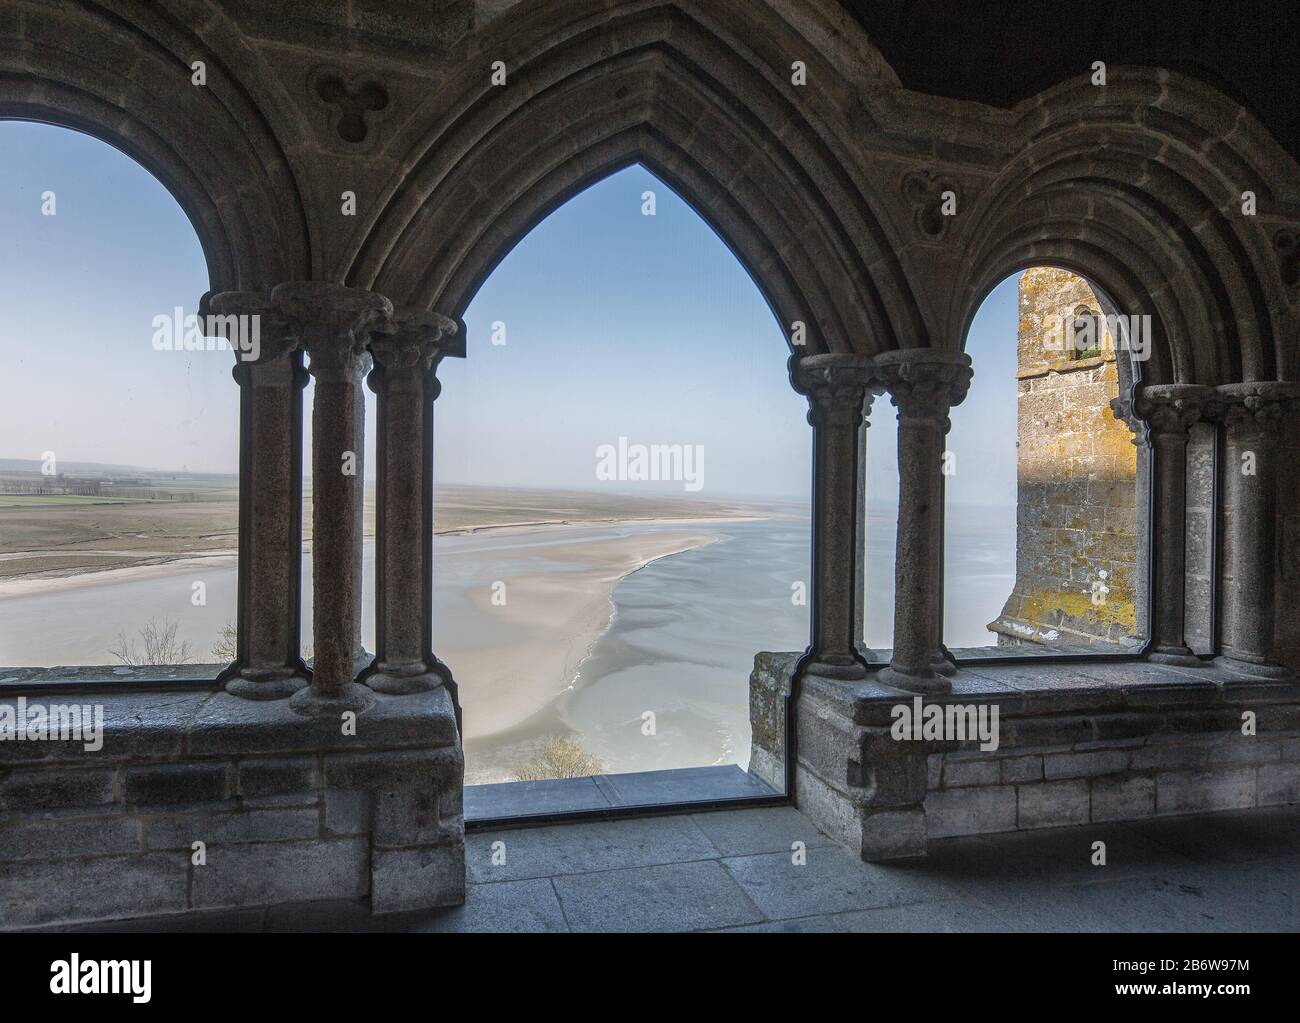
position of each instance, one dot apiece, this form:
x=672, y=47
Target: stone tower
x=1076, y=509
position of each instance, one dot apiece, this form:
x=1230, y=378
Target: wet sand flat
x=545, y=621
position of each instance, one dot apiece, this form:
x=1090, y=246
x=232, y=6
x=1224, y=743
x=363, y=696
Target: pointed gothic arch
x=675, y=96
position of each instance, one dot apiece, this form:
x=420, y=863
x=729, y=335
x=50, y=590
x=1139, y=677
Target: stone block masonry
x=199, y=800
x=1079, y=743
x=1077, y=524
x=1167, y=774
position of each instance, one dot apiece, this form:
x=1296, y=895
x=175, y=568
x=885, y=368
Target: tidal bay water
x=680, y=644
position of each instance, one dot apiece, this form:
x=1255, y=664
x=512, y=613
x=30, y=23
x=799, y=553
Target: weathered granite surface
x=1076, y=742
x=201, y=799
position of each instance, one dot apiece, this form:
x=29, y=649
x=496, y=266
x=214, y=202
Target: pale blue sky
x=79, y=292
x=617, y=324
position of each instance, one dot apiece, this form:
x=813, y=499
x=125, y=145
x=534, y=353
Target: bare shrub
x=560, y=758
x=226, y=648
x=157, y=644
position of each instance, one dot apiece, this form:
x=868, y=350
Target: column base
x=362, y=659
x=1175, y=656
x=354, y=698
x=402, y=680
x=1247, y=669
x=266, y=685
x=941, y=665
x=925, y=683
x=845, y=669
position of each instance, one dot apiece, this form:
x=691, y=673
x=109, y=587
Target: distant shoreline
x=553, y=622
x=157, y=564
x=609, y=521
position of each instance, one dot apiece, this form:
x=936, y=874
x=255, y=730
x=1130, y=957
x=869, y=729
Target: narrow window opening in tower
x=119, y=451
x=621, y=479
x=1045, y=516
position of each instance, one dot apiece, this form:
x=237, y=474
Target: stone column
x=939, y=658
x=334, y=323
x=361, y=657
x=406, y=351
x=1170, y=410
x=1251, y=415
x=268, y=665
x=924, y=384
x=860, y=549
x=837, y=388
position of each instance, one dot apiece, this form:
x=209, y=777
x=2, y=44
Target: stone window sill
x=1078, y=687
x=198, y=722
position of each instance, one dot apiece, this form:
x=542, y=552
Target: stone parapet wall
x=769, y=686
x=1109, y=780
x=286, y=809
x=1077, y=743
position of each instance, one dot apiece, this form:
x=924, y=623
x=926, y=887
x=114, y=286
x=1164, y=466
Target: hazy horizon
x=617, y=324
x=594, y=488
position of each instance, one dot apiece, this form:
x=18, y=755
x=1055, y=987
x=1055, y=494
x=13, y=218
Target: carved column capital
x=1254, y=406
x=837, y=386
x=258, y=334
x=409, y=343
x=333, y=323
x=1172, y=409
x=924, y=383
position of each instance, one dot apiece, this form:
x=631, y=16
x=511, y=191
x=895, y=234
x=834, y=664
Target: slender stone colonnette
x=838, y=392
x=334, y=323
x=924, y=384
x=407, y=349
x=1170, y=411
x=1252, y=415
x=268, y=666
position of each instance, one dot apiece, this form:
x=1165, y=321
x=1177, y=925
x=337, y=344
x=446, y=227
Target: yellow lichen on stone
x=1076, y=473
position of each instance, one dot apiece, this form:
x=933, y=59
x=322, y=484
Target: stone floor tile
x=580, y=848
x=1238, y=836
x=673, y=897
x=515, y=907
x=832, y=880
x=956, y=916
x=761, y=830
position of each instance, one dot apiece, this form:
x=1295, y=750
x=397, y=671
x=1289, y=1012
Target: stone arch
x=661, y=86
x=1149, y=209
x=127, y=83
x=218, y=152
